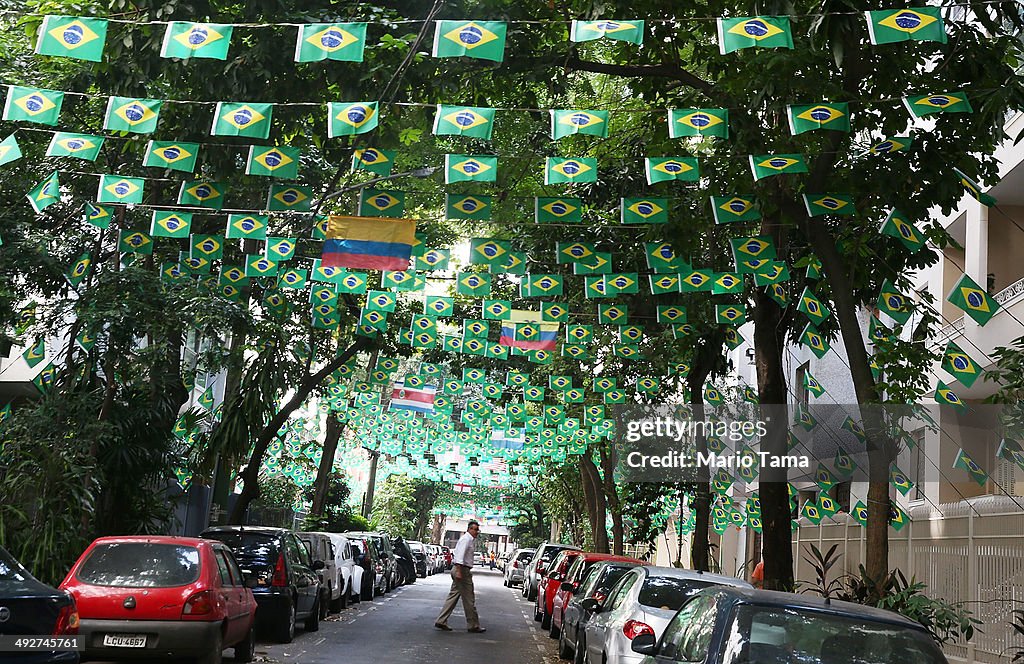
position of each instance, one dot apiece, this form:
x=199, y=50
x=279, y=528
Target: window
x=917, y=456
x=688, y=635
x=803, y=395
x=624, y=587
x=222, y=568
x=236, y=574
x=297, y=553
x=140, y=565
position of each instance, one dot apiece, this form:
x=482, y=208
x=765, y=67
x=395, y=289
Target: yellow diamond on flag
x=73, y=35
x=198, y=37
x=939, y=101
x=469, y=205
x=34, y=103
x=577, y=251
x=331, y=39
x=755, y=29
x=621, y=281
x=470, y=35
x=645, y=209
x=273, y=159
x=371, y=157
x=203, y=191
x=290, y=196
x=975, y=299
x=356, y=115
x=465, y=118
x=571, y=168
x=559, y=208
x=907, y=20
x=76, y=144
x=172, y=153
x=136, y=240
x=672, y=167
x=122, y=188
x=471, y=167
x=248, y=224
x=821, y=114
x=777, y=163
x=208, y=246
x=382, y=201
x=490, y=250
x=580, y=119
x=134, y=113
x=831, y=203
x=736, y=205
x=699, y=120
x=244, y=117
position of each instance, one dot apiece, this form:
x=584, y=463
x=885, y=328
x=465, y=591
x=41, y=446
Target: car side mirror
x=567, y=586
x=554, y=576
x=250, y=581
x=645, y=644
x=318, y=565
x=592, y=605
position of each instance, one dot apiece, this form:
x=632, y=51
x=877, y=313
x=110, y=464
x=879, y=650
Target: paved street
x=399, y=627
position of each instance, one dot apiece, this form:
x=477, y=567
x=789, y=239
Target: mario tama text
x=713, y=460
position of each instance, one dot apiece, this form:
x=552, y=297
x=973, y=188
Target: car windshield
x=770, y=635
x=140, y=565
x=669, y=593
x=604, y=578
x=248, y=547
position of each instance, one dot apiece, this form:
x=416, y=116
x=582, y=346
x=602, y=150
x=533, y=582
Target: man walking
x=462, y=583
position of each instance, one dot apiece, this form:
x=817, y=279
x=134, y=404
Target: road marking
x=320, y=641
x=540, y=647
x=362, y=614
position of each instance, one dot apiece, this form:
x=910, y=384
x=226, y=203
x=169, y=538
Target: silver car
x=642, y=602
x=515, y=568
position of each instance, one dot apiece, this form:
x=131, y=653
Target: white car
x=321, y=547
x=642, y=602
x=348, y=577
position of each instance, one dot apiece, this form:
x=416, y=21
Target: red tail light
x=515, y=565
x=634, y=628
x=280, y=573
x=202, y=603
x=67, y=620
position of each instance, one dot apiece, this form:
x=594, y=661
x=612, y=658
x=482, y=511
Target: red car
x=549, y=583
x=449, y=557
x=151, y=596
x=571, y=582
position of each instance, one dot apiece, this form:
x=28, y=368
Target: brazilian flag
x=958, y=363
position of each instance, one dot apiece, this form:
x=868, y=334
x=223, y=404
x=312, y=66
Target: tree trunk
x=251, y=473
x=371, y=484
x=332, y=435
x=597, y=505
x=706, y=357
x=776, y=518
x=612, y=498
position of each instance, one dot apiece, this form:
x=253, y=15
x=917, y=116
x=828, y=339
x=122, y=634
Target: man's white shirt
x=464, y=550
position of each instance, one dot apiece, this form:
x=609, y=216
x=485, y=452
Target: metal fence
x=973, y=552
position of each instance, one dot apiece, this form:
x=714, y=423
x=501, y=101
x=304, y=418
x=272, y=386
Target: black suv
x=287, y=587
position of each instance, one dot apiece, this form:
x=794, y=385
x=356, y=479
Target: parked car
x=287, y=587
x=739, y=625
x=419, y=553
x=385, y=556
x=549, y=584
x=438, y=557
x=367, y=557
x=571, y=581
x=596, y=583
x=346, y=571
x=643, y=602
x=153, y=596
x=320, y=547
x=535, y=570
x=363, y=555
x=478, y=558
x=34, y=609
x=449, y=558
x=406, y=561
x=516, y=566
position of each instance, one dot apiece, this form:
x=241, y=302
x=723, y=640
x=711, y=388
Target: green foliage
x=278, y=492
x=947, y=622
x=403, y=506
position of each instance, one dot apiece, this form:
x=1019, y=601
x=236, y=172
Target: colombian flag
x=370, y=243
x=524, y=330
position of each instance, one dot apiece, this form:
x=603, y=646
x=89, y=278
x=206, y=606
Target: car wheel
x=564, y=652
x=245, y=650
x=553, y=632
x=545, y=620
x=215, y=654
x=325, y=603
x=341, y=603
x=312, y=623
x=367, y=590
x=536, y=613
x=284, y=630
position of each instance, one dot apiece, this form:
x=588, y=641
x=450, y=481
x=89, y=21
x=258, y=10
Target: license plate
x=124, y=640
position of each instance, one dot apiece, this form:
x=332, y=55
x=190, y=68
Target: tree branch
x=643, y=71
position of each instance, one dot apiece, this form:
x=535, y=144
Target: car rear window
x=525, y=555
x=669, y=593
x=140, y=565
x=248, y=547
x=550, y=552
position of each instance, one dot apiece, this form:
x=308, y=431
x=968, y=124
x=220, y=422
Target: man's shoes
x=477, y=630
x=443, y=627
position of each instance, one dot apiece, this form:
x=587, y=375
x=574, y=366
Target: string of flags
x=84, y=38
